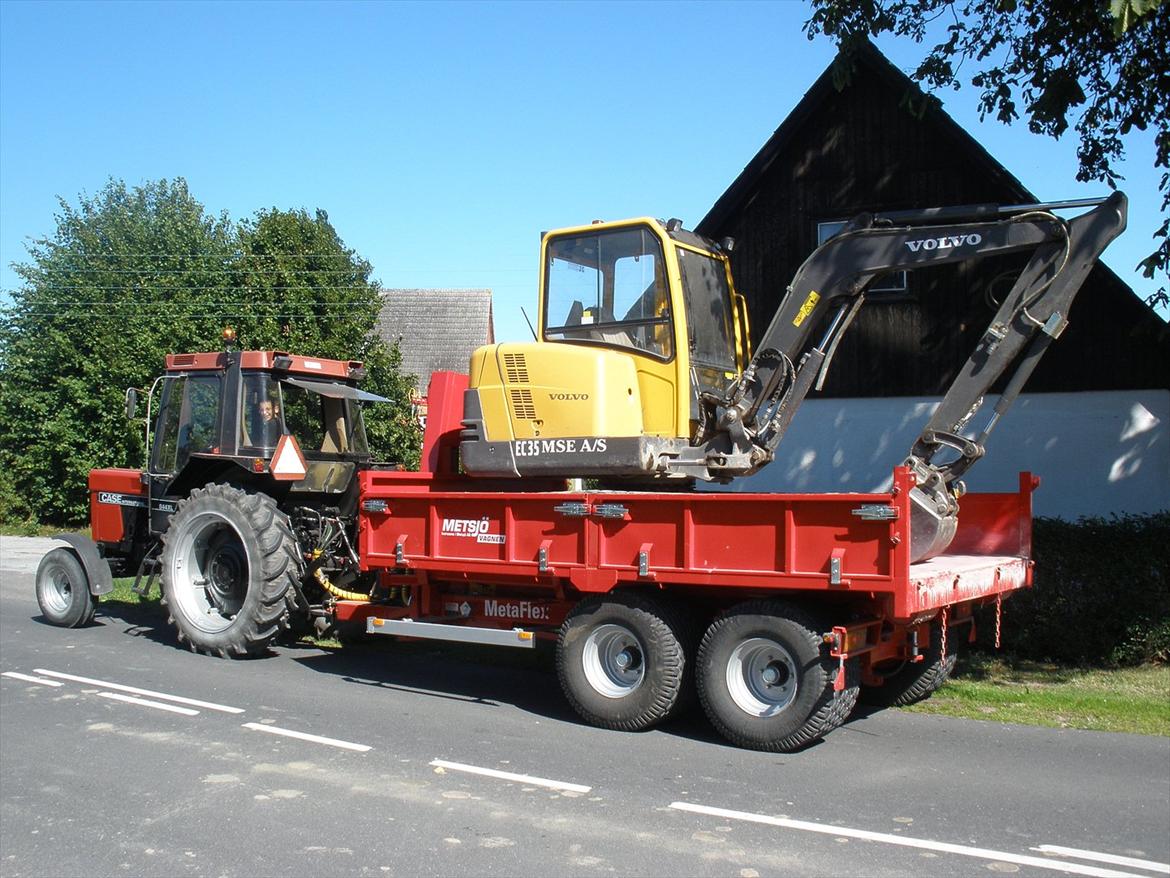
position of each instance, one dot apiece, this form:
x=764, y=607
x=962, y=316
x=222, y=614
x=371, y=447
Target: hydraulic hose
x=341, y=593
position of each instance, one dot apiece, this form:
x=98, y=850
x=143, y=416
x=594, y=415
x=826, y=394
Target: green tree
x=300, y=289
x=87, y=323
x=134, y=273
x=1101, y=65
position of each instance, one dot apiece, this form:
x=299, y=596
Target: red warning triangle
x=288, y=464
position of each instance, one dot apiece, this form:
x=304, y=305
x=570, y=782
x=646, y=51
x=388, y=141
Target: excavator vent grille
x=522, y=405
x=517, y=368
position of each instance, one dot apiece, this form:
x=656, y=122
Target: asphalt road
x=93, y=784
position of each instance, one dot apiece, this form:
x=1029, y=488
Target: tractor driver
x=270, y=429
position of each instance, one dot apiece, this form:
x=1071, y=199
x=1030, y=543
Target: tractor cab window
x=609, y=288
x=188, y=421
x=709, y=319
x=322, y=421
x=261, y=421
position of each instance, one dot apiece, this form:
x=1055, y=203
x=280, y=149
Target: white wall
x=1096, y=453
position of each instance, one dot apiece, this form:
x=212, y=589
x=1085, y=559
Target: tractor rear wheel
x=63, y=589
x=229, y=559
x=765, y=678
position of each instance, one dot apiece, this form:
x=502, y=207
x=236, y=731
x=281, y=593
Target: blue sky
x=441, y=138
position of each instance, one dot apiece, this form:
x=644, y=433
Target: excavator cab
x=638, y=319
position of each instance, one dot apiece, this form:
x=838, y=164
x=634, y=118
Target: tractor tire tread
x=279, y=568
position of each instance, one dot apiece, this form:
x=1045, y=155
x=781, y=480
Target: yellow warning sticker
x=806, y=308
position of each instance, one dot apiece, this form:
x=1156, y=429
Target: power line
x=66, y=270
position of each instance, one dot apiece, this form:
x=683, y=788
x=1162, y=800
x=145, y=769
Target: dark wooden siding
x=863, y=149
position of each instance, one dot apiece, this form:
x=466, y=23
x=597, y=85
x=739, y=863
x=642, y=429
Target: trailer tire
x=765, y=678
x=622, y=660
x=229, y=559
x=910, y=683
x=846, y=700
x=63, y=589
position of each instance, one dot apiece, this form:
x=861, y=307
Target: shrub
x=1101, y=594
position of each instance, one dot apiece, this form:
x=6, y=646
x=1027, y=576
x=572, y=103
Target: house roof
x=436, y=330
x=867, y=61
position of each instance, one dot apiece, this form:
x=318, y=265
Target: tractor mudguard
x=97, y=571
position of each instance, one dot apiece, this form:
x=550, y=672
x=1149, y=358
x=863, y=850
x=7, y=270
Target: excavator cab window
x=710, y=331
x=609, y=288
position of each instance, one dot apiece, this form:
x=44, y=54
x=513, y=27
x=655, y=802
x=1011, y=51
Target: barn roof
x=436, y=330
x=867, y=61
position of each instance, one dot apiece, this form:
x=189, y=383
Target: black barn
x=879, y=144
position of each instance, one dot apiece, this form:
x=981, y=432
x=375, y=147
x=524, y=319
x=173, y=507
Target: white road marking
x=28, y=679
x=507, y=775
x=194, y=702
x=157, y=705
x=921, y=843
x=305, y=736
x=1098, y=857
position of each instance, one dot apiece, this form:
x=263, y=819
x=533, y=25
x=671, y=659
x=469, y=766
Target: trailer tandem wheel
x=229, y=558
x=622, y=661
x=765, y=678
x=63, y=589
x=907, y=682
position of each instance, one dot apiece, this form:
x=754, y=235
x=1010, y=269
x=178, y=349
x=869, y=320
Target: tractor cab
x=254, y=417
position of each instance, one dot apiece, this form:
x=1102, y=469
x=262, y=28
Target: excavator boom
x=745, y=425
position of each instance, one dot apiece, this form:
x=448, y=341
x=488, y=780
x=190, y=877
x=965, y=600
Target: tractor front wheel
x=63, y=589
x=229, y=559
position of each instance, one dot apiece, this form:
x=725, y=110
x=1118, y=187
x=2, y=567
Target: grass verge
x=1135, y=700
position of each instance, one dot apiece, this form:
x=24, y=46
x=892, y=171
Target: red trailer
x=804, y=597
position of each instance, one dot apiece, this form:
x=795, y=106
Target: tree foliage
x=1102, y=66
x=131, y=274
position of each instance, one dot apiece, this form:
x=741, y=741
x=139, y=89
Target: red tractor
x=245, y=510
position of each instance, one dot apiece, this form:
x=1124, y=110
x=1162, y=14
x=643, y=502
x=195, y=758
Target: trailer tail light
x=855, y=639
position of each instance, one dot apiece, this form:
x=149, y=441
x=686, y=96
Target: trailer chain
x=998, y=618
x=943, y=648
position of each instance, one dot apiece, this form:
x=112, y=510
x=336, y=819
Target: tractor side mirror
x=131, y=403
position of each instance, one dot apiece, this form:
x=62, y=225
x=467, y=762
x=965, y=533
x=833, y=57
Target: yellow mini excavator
x=642, y=369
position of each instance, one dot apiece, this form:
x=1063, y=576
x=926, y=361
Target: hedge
x=1101, y=594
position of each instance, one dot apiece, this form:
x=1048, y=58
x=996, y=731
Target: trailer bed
x=431, y=529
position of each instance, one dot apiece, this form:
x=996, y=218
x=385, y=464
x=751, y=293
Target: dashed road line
x=105, y=684
x=921, y=843
x=145, y=702
x=305, y=736
x=1098, y=857
x=507, y=775
x=30, y=679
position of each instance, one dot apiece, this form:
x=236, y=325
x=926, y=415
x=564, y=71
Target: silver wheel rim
x=614, y=660
x=761, y=677
x=209, y=573
x=58, y=589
